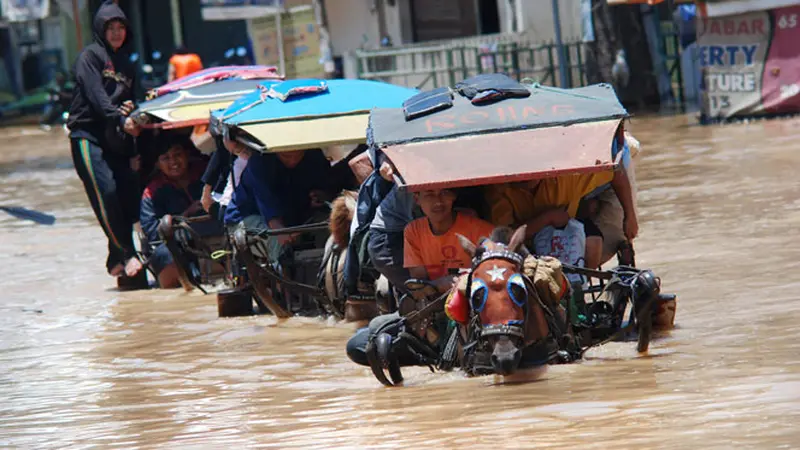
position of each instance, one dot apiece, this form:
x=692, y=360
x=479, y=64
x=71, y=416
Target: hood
x=107, y=12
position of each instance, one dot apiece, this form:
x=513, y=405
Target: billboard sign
x=750, y=63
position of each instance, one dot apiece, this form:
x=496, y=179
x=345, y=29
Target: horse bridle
x=514, y=330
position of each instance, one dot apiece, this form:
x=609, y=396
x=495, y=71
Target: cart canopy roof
x=447, y=139
x=308, y=113
x=191, y=106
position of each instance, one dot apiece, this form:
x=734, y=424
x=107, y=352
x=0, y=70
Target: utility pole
x=76, y=15
x=562, y=52
x=175, y=18
x=324, y=38
x=279, y=31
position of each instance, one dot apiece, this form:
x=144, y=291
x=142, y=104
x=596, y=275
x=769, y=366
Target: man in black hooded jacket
x=100, y=135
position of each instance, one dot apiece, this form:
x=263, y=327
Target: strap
x=450, y=352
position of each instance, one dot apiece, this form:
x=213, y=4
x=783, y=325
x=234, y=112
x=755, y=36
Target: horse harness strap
x=427, y=310
x=503, y=330
x=558, y=328
x=504, y=254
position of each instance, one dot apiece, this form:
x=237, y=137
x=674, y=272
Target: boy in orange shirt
x=431, y=251
x=431, y=247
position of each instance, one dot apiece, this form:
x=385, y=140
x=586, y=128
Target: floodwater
x=85, y=366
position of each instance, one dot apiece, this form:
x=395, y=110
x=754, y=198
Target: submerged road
x=84, y=366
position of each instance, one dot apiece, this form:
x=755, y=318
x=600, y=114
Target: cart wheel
x=235, y=302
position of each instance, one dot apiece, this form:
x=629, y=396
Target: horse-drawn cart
x=182, y=108
x=522, y=311
x=301, y=115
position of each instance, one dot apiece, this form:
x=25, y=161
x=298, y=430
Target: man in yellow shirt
x=554, y=201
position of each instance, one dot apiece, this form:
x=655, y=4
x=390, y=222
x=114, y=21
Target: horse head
x=504, y=308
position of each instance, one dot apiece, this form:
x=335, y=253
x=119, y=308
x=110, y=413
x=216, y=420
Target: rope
x=219, y=254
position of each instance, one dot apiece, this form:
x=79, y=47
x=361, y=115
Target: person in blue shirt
x=385, y=241
x=175, y=190
x=284, y=189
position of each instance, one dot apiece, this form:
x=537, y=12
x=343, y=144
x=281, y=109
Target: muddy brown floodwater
x=84, y=366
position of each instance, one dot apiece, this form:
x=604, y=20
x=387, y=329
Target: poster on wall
x=24, y=10
x=301, y=42
x=750, y=63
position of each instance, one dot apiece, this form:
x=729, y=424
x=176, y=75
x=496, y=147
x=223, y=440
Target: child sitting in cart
x=431, y=248
x=175, y=190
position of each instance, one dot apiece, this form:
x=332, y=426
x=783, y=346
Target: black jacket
x=103, y=80
x=219, y=168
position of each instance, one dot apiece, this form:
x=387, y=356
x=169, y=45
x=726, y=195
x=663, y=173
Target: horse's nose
x=505, y=358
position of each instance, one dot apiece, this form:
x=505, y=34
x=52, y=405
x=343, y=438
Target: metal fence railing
x=445, y=64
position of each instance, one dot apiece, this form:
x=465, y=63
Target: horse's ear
x=468, y=246
x=518, y=238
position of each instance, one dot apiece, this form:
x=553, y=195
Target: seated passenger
x=603, y=206
x=175, y=190
x=431, y=248
x=396, y=210
x=553, y=202
x=385, y=241
x=241, y=155
x=281, y=190
x=432, y=251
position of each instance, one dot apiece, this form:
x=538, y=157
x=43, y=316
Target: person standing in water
x=100, y=135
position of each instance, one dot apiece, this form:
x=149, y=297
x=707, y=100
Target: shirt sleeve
x=254, y=179
x=575, y=187
x=149, y=216
x=412, y=255
x=502, y=211
x=591, y=181
x=216, y=168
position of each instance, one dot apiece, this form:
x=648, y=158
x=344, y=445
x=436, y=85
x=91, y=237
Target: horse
x=511, y=328
x=343, y=211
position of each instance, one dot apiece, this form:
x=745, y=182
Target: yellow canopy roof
x=188, y=113
x=312, y=132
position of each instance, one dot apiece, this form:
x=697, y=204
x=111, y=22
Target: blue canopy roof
x=341, y=97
